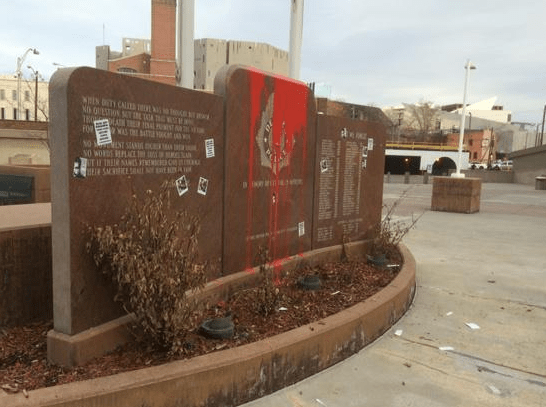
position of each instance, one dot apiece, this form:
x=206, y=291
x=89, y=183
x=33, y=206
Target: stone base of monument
x=253, y=370
x=75, y=350
x=456, y=194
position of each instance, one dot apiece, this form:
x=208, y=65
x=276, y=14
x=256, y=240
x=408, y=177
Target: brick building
x=155, y=59
x=481, y=145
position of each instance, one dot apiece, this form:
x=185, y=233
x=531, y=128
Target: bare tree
x=41, y=100
x=421, y=118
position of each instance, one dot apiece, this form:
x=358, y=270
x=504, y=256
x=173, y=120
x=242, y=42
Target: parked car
x=477, y=166
x=502, y=165
x=506, y=165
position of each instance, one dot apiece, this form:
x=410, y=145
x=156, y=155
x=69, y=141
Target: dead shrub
x=390, y=231
x=268, y=293
x=152, y=257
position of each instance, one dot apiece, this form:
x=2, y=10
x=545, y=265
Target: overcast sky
x=383, y=53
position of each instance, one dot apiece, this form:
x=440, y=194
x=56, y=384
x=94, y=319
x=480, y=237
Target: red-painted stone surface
x=269, y=166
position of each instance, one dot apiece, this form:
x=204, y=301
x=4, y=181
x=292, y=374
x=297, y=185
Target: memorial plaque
x=114, y=136
x=269, y=164
x=348, y=180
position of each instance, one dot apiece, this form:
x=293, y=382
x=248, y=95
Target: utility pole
x=542, y=133
x=36, y=98
x=19, y=74
x=36, y=75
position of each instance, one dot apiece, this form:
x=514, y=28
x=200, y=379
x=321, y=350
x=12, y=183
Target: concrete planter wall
x=235, y=376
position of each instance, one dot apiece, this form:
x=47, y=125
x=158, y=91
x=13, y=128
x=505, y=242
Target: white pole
x=458, y=174
x=20, y=61
x=185, y=43
x=296, y=35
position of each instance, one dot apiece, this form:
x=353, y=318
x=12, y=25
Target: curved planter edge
x=235, y=376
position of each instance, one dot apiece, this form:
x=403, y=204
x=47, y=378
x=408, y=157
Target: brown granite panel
x=269, y=164
x=460, y=195
x=151, y=133
x=348, y=180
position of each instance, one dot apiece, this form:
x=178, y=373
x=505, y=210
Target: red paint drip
x=277, y=268
x=289, y=130
x=291, y=111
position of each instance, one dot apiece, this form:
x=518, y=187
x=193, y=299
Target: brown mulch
x=23, y=350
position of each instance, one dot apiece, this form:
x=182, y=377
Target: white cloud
x=370, y=52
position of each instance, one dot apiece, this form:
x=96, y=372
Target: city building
x=34, y=98
x=441, y=121
x=155, y=59
x=211, y=54
x=24, y=142
x=480, y=144
x=485, y=109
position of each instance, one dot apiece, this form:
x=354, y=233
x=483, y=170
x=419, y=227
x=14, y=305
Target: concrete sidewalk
x=487, y=269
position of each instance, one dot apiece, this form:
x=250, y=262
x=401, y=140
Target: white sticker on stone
x=80, y=167
x=301, y=229
x=370, y=144
x=203, y=186
x=209, y=148
x=324, y=165
x=182, y=185
x=102, y=131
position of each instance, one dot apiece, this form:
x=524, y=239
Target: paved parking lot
x=476, y=333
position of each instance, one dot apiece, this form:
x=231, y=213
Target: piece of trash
x=321, y=403
x=10, y=389
x=337, y=292
x=493, y=389
x=446, y=348
x=398, y=332
x=449, y=314
x=472, y=325
x=393, y=265
x=25, y=393
x=283, y=309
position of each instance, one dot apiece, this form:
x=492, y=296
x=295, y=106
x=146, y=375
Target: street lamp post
x=467, y=67
x=20, y=61
x=36, y=75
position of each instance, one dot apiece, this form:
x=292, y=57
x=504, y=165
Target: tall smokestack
x=296, y=34
x=185, y=43
x=163, y=59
